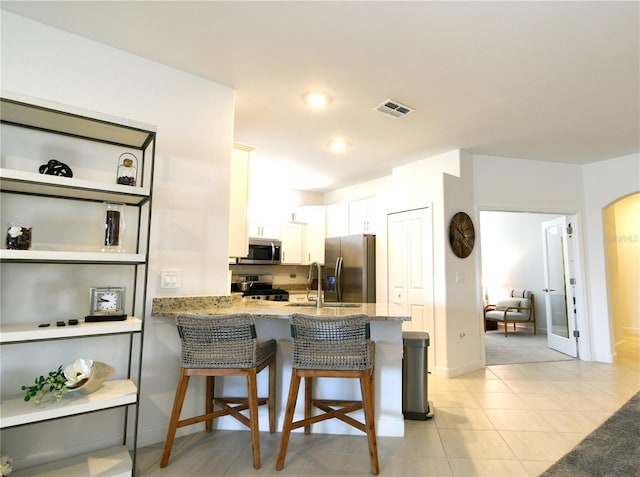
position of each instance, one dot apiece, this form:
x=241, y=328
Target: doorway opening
x=513, y=257
x=622, y=261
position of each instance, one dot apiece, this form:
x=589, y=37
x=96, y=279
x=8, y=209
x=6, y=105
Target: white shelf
x=15, y=333
x=14, y=180
x=54, y=256
x=16, y=412
x=111, y=462
x=63, y=119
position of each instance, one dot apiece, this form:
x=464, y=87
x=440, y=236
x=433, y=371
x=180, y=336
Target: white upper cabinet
x=362, y=216
x=337, y=220
x=267, y=231
x=239, y=196
x=292, y=235
x=355, y=217
x=315, y=218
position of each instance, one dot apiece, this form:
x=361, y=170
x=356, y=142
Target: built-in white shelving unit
x=76, y=133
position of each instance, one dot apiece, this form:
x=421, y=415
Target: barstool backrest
x=217, y=341
x=331, y=343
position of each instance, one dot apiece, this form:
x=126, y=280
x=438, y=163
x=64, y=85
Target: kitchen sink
x=326, y=305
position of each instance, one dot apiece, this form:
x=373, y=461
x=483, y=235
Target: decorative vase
x=100, y=372
x=127, y=173
x=114, y=227
x=18, y=237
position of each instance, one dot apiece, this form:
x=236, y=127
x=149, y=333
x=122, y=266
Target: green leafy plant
x=53, y=383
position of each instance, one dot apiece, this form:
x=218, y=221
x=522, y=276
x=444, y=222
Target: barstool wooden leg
x=181, y=391
x=252, y=390
x=288, y=418
x=308, y=400
x=271, y=398
x=209, y=400
x=369, y=417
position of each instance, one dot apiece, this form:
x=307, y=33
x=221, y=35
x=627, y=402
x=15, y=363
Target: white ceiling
x=549, y=81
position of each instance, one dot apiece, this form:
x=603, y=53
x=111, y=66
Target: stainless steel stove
x=258, y=287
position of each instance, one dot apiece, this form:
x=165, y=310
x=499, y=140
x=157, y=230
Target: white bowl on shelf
x=100, y=372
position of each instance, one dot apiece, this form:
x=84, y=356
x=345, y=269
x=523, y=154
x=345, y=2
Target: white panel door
x=397, y=258
x=559, y=279
x=410, y=269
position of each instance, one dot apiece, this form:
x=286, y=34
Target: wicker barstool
x=223, y=345
x=335, y=347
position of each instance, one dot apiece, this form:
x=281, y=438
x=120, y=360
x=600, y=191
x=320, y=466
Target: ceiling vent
x=393, y=108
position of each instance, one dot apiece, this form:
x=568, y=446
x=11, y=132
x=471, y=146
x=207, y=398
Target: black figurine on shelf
x=127, y=169
x=56, y=168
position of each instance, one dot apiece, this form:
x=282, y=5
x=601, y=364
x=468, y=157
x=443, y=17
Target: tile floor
x=504, y=420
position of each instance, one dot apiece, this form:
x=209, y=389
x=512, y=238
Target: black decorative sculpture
x=56, y=168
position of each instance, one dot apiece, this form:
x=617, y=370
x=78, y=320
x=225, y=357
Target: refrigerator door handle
x=339, y=262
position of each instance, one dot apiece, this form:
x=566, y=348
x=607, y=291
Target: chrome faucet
x=318, y=298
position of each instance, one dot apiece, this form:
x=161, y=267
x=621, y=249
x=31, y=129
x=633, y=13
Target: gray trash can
x=415, y=403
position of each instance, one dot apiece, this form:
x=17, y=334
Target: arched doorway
x=621, y=223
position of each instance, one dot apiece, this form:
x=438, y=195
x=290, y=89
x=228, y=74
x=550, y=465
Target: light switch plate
x=171, y=279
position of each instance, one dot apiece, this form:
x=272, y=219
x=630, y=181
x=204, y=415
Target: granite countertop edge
x=263, y=309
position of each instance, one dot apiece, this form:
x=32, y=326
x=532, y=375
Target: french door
x=559, y=278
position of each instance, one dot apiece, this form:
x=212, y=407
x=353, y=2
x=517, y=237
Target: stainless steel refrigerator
x=350, y=269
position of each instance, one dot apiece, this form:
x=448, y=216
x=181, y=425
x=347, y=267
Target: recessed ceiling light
x=338, y=145
x=317, y=100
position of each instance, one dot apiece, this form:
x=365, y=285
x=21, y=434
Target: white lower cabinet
x=45, y=287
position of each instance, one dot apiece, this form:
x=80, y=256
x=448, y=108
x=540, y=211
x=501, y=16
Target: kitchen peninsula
x=272, y=321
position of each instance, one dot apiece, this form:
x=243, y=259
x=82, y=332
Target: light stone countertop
x=171, y=306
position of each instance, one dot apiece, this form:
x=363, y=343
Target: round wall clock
x=462, y=235
x=106, y=304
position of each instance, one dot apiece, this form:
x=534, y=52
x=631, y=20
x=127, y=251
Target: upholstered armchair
x=518, y=308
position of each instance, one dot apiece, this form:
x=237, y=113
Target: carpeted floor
x=521, y=346
x=613, y=449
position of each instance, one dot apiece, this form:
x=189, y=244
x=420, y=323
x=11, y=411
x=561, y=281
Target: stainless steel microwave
x=263, y=252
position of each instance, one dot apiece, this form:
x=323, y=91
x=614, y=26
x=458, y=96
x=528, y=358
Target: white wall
x=445, y=184
x=462, y=326
x=536, y=186
x=503, y=183
x=604, y=183
x=509, y=184
x=194, y=120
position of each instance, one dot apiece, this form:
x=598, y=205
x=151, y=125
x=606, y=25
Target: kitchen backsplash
x=289, y=277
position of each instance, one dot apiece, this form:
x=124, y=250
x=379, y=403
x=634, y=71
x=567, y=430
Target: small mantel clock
x=106, y=304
